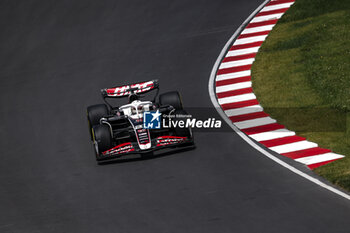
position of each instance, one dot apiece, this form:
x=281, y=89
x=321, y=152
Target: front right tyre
x=102, y=139
x=94, y=114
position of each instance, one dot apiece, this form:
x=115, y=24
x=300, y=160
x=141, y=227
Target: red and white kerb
x=233, y=87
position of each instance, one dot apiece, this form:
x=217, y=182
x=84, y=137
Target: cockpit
x=137, y=108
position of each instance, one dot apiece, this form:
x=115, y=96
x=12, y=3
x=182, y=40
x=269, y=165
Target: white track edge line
x=240, y=133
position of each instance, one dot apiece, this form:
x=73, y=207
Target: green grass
x=302, y=74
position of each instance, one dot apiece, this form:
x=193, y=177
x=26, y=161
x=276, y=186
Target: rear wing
x=126, y=90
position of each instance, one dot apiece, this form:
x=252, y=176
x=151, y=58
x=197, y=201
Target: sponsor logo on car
x=167, y=140
x=123, y=148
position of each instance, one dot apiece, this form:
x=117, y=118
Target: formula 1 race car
x=119, y=131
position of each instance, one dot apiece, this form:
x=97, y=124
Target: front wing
x=158, y=143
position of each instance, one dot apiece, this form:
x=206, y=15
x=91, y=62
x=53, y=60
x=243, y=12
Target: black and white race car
x=119, y=131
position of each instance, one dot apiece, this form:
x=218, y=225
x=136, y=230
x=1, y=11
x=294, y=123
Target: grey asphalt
x=54, y=58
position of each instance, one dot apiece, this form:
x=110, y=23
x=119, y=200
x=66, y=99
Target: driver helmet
x=132, y=98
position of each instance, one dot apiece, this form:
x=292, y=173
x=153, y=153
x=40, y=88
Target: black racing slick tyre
x=182, y=132
x=102, y=138
x=172, y=98
x=94, y=114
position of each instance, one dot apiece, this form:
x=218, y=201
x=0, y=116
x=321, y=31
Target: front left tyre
x=172, y=98
x=185, y=131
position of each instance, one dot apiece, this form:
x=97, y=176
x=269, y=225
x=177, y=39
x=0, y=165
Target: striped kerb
x=233, y=86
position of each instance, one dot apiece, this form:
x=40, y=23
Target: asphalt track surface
x=56, y=55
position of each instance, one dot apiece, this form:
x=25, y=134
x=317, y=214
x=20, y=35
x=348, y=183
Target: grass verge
x=302, y=74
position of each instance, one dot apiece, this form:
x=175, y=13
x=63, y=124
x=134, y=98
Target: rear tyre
x=172, y=98
x=102, y=138
x=94, y=114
